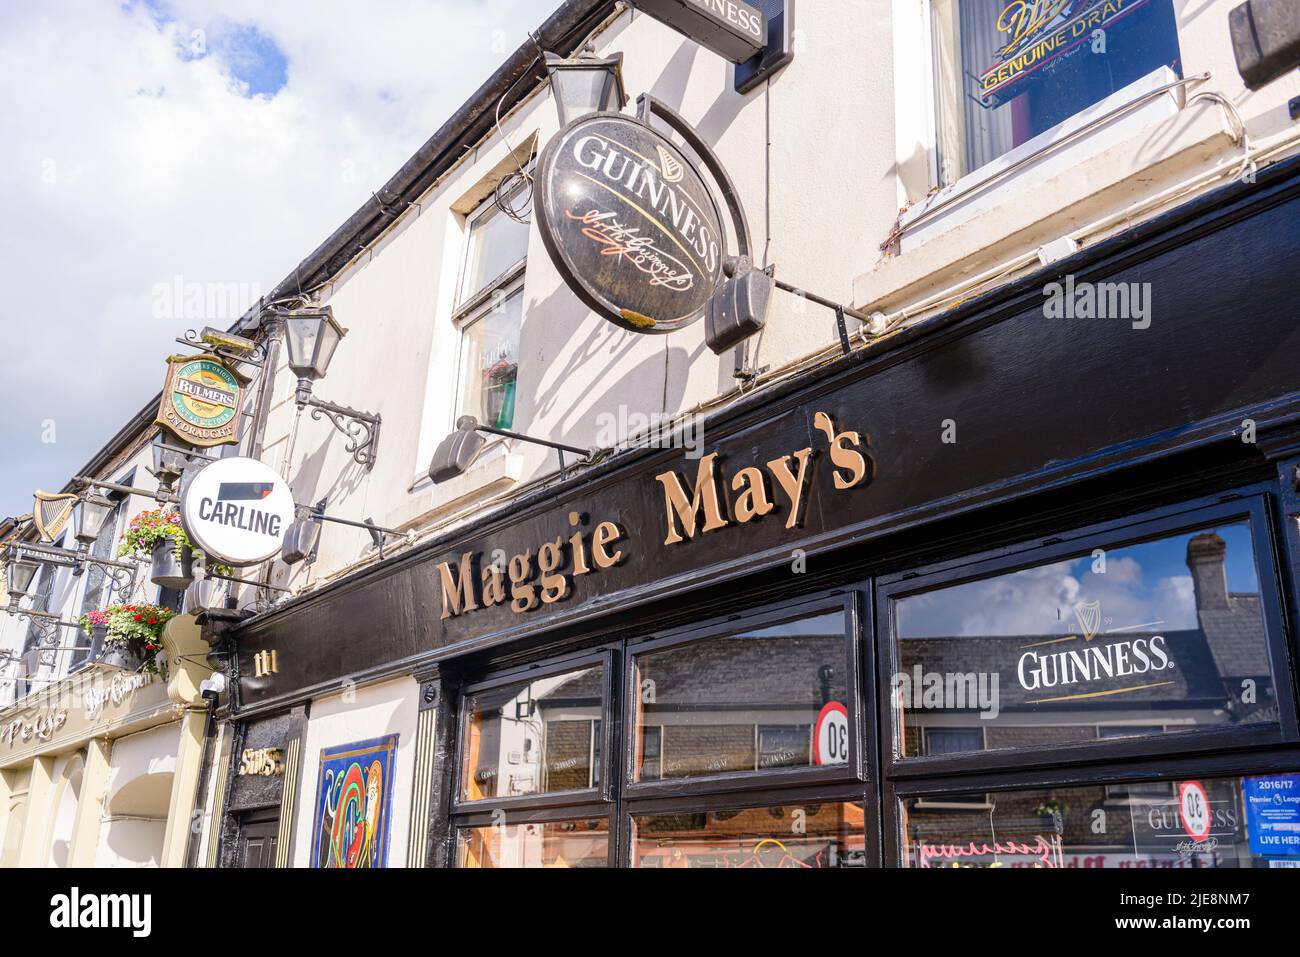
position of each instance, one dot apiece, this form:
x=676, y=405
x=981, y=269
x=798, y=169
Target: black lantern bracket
x=225, y=346
x=47, y=626
x=123, y=575
x=361, y=428
x=311, y=335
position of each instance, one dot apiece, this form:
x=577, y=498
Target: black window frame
x=856, y=770
x=548, y=815
x=1250, y=504
x=602, y=793
x=1080, y=774
x=755, y=798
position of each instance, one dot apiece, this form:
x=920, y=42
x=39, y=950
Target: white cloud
x=130, y=162
x=1041, y=601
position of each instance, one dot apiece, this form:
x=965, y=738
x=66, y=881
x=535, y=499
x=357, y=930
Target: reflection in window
x=953, y=740
x=553, y=844
x=805, y=836
x=497, y=244
x=489, y=366
x=1203, y=822
x=1146, y=639
x=535, y=737
x=743, y=702
x=1010, y=70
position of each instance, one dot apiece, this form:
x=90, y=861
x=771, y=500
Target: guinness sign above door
x=630, y=223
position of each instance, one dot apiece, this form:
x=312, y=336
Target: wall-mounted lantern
x=169, y=463
x=89, y=515
x=312, y=335
x=20, y=571
x=586, y=83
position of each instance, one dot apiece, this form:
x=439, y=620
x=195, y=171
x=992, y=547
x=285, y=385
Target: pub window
x=536, y=736
x=532, y=768
x=1195, y=822
x=1094, y=645
x=1008, y=71
x=490, y=310
x=820, y=834
x=1127, y=792
x=33, y=658
x=99, y=587
x=568, y=843
x=743, y=699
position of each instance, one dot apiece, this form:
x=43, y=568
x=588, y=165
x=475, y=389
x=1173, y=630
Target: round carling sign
x=237, y=511
x=630, y=223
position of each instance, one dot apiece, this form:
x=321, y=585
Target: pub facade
x=883, y=450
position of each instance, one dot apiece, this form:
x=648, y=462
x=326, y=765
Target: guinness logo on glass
x=630, y=223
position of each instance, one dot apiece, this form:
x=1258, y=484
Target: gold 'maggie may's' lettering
x=524, y=583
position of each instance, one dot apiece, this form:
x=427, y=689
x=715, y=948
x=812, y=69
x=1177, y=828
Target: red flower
x=139, y=617
x=150, y=646
x=153, y=621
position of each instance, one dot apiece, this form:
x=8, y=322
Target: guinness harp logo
x=1089, y=615
x=670, y=167
x=51, y=514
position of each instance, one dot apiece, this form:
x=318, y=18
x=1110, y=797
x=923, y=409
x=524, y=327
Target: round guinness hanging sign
x=630, y=223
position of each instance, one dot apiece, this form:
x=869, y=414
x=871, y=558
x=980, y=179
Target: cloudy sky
x=154, y=144
x=1139, y=585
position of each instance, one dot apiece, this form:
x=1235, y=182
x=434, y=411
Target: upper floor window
x=1010, y=70
x=490, y=311
x=99, y=587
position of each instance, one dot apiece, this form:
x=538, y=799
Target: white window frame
x=471, y=308
x=439, y=418
x=468, y=303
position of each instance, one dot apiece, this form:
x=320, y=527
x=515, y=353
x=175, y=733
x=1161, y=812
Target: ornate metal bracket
x=47, y=625
x=361, y=428
x=123, y=575
x=194, y=340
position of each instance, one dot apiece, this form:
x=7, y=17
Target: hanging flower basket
x=158, y=535
x=171, y=565
x=127, y=636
